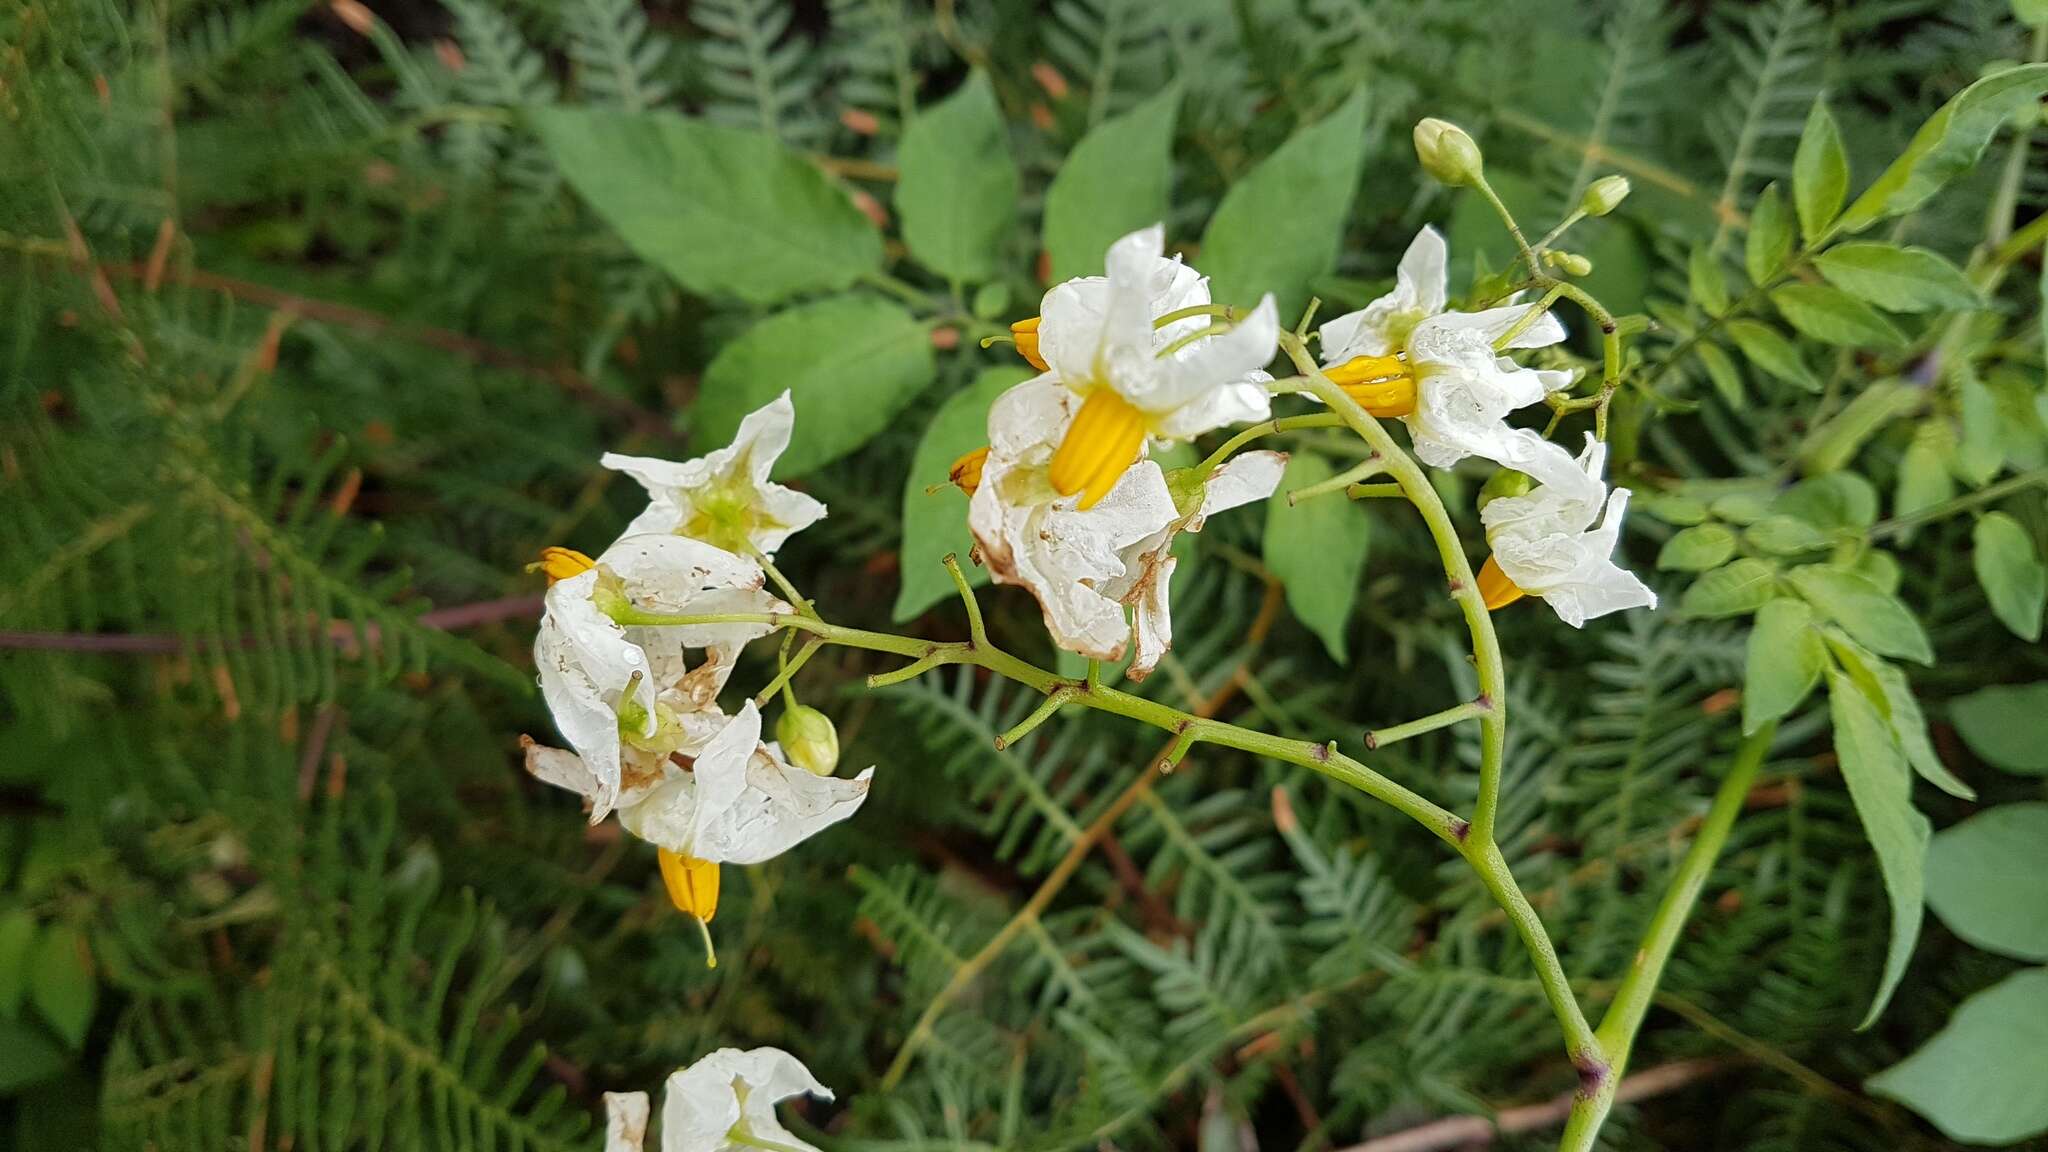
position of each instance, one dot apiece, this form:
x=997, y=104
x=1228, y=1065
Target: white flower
x=1149, y=564
x=741, y=802
x=725, y=498
x=1031, y=535
x=619, y=694
x=1381, y=328
x=1404, y=355
x=1545, y=543
x=1138, y=381
x=725, y=1095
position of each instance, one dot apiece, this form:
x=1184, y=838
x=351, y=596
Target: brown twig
x=144, y=643
x=1464, y=1131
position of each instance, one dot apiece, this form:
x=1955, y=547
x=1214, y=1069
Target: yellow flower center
x=561, y=564
x=1025, y=333
x=1382, y=385
x=966, y=471
x=1104, y=439
x=727, y=512
x=1495, y=588
x=693, y=887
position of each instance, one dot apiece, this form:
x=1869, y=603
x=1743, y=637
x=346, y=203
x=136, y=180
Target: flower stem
x=1639, y=987
x=1393, y=734
x=1245, y=436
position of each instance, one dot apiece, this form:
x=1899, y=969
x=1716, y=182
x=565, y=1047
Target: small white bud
x=1604, y=195
x=808, y=739
x=1447, y=152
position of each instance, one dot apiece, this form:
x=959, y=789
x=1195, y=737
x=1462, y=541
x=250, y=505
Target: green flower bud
x=1505, y=482
x=1604, y=195
x=1447, y=152
x=1569, y=263
x=808, y=739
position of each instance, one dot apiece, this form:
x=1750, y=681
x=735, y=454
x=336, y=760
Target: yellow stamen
x=561, y=564
x=1104, y=439
x=966, y=471
x=1025, y=333
x=693, y=888
x=1382, y=385
x=1495, y=588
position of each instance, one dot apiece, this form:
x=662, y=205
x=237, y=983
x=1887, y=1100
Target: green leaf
x=1874, y=617
x=1767, y=348
x=1782, y=535
x=1743, y=506
x=1698, y=548
x=2011, y=573
x=1831, y=446
x=1979, y=1078
x=1722, y=371
x=1835, y=502
x=1987, y=878
x=1732, y=590
x=1883, y=794
x=1898, y=279
x=1832, y=316
x=1947, y=145
x=1820, y=172
x=17, y=932
x=2006, y=725
x=1709, y=285
x=957, y=187
x=1785, y=660
x=1769, y=243
x=27, y=1055
x=1981, y=452
x=61, y=983
x=935, y=523
x=722, y=210
x=850, y=364
x=1317, y=550
x=2032, y=13
x=1909, y=724
x=1115, y=181
x=1280, y=227
x=1924, y=476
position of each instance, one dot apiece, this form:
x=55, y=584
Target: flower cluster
x=722, y=1102
x=649, y=739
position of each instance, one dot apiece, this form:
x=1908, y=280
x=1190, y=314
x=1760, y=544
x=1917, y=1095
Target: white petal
x=586, y=663
x=625, y=1121
x=1424, y=273
x=674, y=487
x=763, y=436
x=1210, y=384
x=704, y=1100
x=1029, y=419
x=1152, y=617
x=1493, y=323
x=782, y=806
x=677, y=575
x=1420, y=290
x=1245, y=477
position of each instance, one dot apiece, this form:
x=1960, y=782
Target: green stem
x=1580, y=1042
x=1508, y=218
x=1529, y=316
x=1355, y=475
x=926, y=654
x=1221, y=311
x=1638, y=988
x=1265, y=428
x=1395, y=733
x=1963, y=503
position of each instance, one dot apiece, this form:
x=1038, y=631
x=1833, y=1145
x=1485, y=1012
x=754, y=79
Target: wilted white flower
x=1138, y=380
x=1545, y=543
x=725, y=498
x=1149, y=564
x=621, y=693
x=723, y=1102
x=1032, y=535
x=1403, y=355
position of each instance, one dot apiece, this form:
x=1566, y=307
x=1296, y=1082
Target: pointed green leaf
x=2010, y=571
x=722, y=210
x=1947, y=145
x=1317, y=549
x=1979, y=1078
x=61, y=983
x=1722, y=371
x=1767, y=348
x=850, y=364
x=1698, y=548
x=1731, y=590
x=1909, y=724
x=1709, y=284
x=1769, y=243
x=1898, y=279
x=17, y=933
x=1835, y=502
x=1782, y=535
x=1115, y=181
x=1785, y=660
x=1832, y=316
x=1924, y=476
x=1875, y=618
x=2006, y=725
x=1987, y=878
x=957, y=186
x=935, y=523
x=1820, y=172
x=1883, y=794
x=1281, y=225
x=1831, y=446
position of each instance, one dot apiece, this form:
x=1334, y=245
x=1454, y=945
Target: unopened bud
x=1505, y=482
x=1447, y=152
x=1604, y=195
x=808, y=739
x=1569, y=263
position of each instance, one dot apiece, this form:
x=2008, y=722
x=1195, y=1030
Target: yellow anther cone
x=1382, y=385
x=966, y=471
x=693, y=888
x=562, y=564
x=1104, y=439
x=1495, y=588
x=1025, y=333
